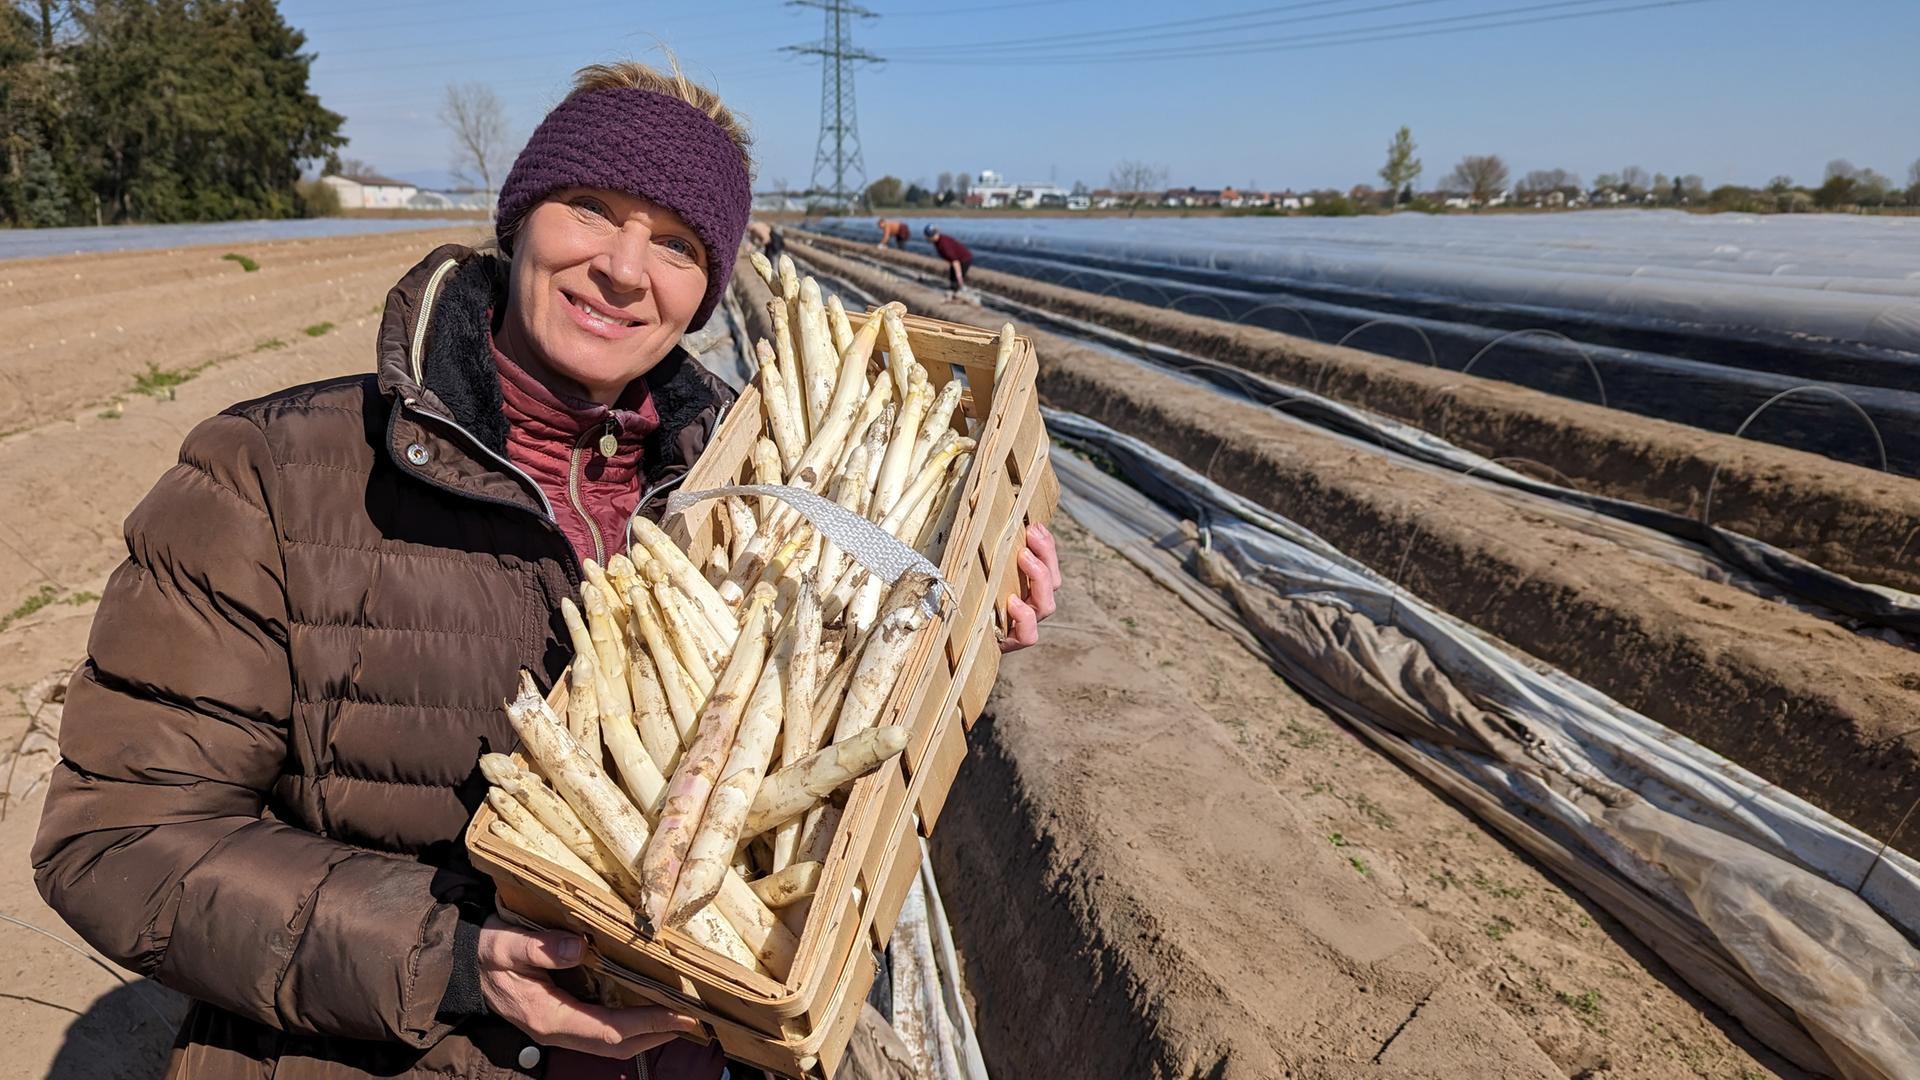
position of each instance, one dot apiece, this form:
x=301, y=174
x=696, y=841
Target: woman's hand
x=513, y=978
x=1040, y=573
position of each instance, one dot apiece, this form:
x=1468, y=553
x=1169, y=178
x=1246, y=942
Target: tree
x=962, y=182
x=1870, y=188
x=1694, y=187
x=356, y=167
x=943, y=184
x=1482, y=177
x=1840, y=168
x=886, y=191
x=1780, y=185
x=1137, y=182
x=1835, y=193
x=1402, y=168
x=1634, y=181
x=917, y=195
x=478, y=122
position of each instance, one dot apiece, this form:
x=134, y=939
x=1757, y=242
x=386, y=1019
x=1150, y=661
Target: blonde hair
x=673, y=82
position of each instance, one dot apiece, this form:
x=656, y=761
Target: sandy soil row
x=108, y=333
x=1819, y=711
x=1162, y=861
x=1855, y=521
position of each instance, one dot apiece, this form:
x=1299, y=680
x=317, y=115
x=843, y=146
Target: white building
x=369, y=192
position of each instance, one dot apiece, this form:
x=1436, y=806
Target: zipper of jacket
x=646, y=496
x=573, y=485
x=409, y=404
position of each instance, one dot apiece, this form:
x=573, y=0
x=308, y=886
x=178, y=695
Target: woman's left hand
x=1040, y=574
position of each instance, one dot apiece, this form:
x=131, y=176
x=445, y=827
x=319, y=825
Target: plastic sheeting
x=1844, y=279
x=1719, y=553
x=1796, y=923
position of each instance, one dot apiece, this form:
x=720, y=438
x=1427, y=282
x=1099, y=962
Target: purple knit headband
x=645, y=144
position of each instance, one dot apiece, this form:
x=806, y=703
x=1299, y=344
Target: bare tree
x=1135, y=181
x=351, y=167
x=1842, y=169
x=473, y=113
x=1634, y=180
x=1481, y=176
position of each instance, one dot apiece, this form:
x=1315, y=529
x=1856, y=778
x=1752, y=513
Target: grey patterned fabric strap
x=883, y=554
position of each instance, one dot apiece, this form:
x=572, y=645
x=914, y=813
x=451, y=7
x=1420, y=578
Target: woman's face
x=603, y=286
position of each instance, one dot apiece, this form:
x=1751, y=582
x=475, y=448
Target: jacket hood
x=433, y=349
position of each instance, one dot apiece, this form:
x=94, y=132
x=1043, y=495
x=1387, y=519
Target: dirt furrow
x=1819, y=711
x=1147, y=800
x=1853, y=520
x=91, y=344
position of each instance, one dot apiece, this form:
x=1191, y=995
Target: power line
x=1015, y=47
x=1324, y=39
x=1081, y=36
x=837, y=154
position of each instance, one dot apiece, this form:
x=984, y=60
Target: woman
x=270, y=754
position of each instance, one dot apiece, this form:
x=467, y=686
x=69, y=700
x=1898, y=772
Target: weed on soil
x=45, y=596
x=318, y=329
x=245, y=263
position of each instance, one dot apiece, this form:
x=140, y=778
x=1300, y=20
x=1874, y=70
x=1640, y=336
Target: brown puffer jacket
x=269, y=754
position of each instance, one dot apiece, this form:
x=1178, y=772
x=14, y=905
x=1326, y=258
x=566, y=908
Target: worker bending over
x=958, y=257
x=894, y=232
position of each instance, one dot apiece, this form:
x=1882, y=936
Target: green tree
x=195, y=109
x=886, y=191
x=1402, y=168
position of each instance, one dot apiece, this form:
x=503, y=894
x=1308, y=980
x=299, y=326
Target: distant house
x=1191, y=196
x=456, y=199
x=367, y=191
x=1079, y=202
x=1106, y=199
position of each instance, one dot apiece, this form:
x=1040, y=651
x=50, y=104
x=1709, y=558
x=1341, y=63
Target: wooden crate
x=800, y=1028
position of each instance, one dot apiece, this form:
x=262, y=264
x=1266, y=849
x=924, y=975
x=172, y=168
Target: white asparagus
x=884, y=654
x=786, y=353
x=768, y=468
x=764, y=268
x=789, y=278
x=783, y=887
x=687, y=578
x=684, y=694
x=939, y=421
x=762, y=930
x=583, y=676
x=796, y=725
x=895, y=465
x=836, y=430
x=693, y=781
x=716, y=839
x=715, y=568
x=930, y=477
x=900, y=361
x=550, y=810
x=610, y=652
x=640, y=776
x=879, y=434
x=789, y=792
x=652, y=713
x=782, y=423
x=838, y=327
x=877, y=404
x=624, y=831
x=700, y=653
x=1003, y=352
x=600, y=579
x=932, y=542
x=621, y=578
x=744, y=527
x=534, y=837
x=849, y=487
x=819, y=360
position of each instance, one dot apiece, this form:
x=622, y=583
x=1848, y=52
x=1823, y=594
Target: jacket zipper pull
x=609, y=443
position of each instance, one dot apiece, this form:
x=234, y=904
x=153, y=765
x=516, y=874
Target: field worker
x=894, y=232
x=767, y=238
x=958, y=257
x=269, y=755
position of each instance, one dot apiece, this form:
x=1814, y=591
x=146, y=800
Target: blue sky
x=1299, y=94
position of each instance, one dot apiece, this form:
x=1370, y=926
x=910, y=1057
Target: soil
x=1161, y=860
x=1850, y=519
x=1819, y=711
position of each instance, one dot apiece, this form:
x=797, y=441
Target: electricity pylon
x=836, y=157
